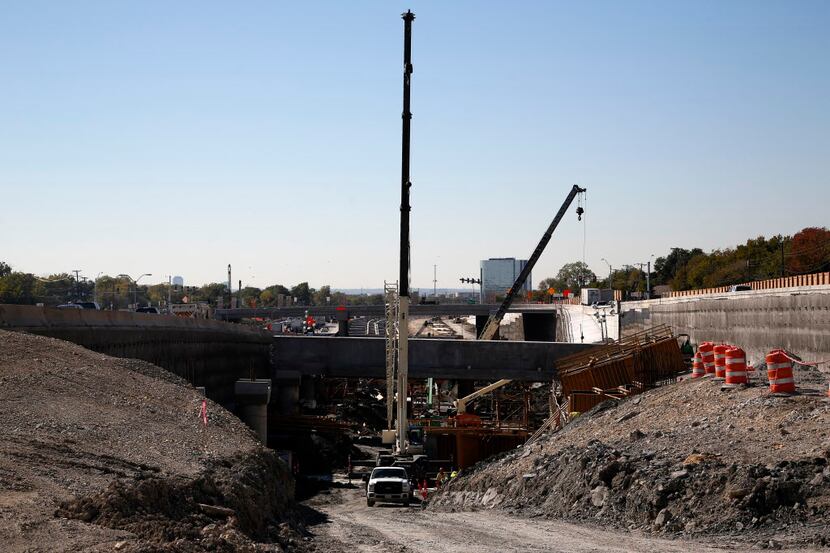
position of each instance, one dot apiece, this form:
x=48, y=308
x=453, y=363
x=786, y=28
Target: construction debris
x=686, y=459
x=98, y=453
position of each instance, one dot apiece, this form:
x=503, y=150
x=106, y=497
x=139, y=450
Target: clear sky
x=177, y=137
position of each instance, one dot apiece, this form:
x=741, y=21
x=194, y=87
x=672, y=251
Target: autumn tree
x=809, y=251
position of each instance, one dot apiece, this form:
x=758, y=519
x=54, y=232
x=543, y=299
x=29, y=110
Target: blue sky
x=178, y=137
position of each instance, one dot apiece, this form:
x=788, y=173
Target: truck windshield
x=389, y=473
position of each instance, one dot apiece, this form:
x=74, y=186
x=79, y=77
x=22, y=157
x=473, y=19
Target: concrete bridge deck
x=416, y=310
x=456, y=359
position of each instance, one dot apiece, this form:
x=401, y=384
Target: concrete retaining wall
x=208, y=353
x=797, y=319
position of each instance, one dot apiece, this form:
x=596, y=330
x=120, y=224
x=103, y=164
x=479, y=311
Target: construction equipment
x=492, y=327
x=403, y=280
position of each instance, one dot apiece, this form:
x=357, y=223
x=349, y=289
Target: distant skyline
x=176, y=138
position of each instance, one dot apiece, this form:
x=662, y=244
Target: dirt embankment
x=101, y=454
x=686, y=460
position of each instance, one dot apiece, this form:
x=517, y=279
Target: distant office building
x=498, y=275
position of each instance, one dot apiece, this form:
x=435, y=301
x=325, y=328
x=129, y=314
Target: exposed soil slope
x=684, y=460
x=98, y=453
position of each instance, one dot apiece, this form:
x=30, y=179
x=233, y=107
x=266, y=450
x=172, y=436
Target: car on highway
x=388, y=485
x=740, y=288
x=147, y=309
x=69, y=306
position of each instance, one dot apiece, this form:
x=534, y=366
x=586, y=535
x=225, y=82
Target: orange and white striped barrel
x=707, y=356
x=780, y=368
x=720, y=360
x=735, y=366
x=697, y=366
x=770, y=370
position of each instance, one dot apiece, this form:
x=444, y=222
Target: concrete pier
x=252, y=397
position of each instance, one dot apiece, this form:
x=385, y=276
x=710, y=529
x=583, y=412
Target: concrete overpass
x=416, y=310
x=294, y=356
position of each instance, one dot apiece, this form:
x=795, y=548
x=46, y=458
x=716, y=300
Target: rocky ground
x=102, y=454
x=345, y=524
x=686, y=460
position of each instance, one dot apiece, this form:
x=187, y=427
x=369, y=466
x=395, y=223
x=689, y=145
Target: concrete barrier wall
x=207, y=353
x=797, y=319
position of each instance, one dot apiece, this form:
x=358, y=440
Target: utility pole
x=403, y=294
x=435, y=281
x=230, y=286
x=77, y=292
x=782, y=257
x=169, y=294
x=239, y=295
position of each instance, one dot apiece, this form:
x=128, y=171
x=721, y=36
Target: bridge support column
x=308, y=391
x=287, y=384
x=342, y=319
x=252, y=397
x=539, y=327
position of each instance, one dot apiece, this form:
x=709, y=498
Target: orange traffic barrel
x=735, y=366
x=707, y=356
x=720, y=360
x=697, y=366
x=770, y=370
x=780, y=368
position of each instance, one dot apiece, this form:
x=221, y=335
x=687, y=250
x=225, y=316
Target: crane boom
x=492, y=326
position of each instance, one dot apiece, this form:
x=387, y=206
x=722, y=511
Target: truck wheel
x=406, y=502
x=370, y=503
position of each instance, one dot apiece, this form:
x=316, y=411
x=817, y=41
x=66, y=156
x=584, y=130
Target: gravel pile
x=686, y=460
x=102, y=454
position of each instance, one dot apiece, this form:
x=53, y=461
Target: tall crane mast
x=403, y=280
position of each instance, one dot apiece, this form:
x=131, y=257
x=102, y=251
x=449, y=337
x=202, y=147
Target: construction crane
x=492, y=327
x=403, y=280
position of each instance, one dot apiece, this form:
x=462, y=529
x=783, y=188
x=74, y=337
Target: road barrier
x=720, y=360
x=698, y=370
x=815, y=279
x=736, y=366
x=707, y=356
x=780, y=372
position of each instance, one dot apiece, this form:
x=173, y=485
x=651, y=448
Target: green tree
x=17, y=288
x=266, y=298
x=303, y=293
x=576, y=275
x=323, y=295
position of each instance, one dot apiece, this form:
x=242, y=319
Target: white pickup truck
x=388, y=484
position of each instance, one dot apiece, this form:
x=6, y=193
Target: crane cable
x=585, y=226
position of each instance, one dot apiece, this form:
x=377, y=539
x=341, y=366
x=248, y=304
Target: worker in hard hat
x=453, y=474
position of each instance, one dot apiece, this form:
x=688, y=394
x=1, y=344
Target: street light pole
x=609, y=272
x=135, y=285
x=95, y=287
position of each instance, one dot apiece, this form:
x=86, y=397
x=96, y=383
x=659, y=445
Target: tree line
x=118, y=292
x=805, y=252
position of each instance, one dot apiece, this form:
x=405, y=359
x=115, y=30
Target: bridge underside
x=456, y=359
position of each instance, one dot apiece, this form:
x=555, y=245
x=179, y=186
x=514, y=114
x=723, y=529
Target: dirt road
x=352, y=527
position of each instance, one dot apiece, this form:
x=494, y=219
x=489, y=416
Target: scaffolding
x=390, y=291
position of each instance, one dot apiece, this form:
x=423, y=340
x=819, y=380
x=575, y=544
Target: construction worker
x=453, y=474
x=440, y=478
